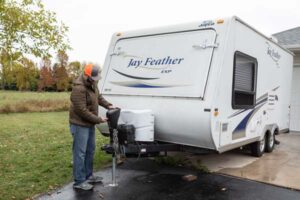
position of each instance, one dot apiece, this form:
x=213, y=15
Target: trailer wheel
x=270, y=142
x=258, y=148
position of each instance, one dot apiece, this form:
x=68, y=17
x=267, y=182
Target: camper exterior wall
x=271, y=109
x=179, y=120
x=191, y=120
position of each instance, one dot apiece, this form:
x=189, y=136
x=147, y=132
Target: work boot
x=94, y=179
x=83, y=186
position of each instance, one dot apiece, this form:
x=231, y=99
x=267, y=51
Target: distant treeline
x=24, y=75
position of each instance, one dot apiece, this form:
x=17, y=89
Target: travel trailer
x=215, y=85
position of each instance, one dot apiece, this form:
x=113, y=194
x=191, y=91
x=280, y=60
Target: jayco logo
x=273, y=53
x=154, y=63
x=207, y=23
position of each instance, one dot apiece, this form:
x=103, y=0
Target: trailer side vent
x=244, y=81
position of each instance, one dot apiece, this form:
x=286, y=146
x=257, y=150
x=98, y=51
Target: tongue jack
x=113, y=117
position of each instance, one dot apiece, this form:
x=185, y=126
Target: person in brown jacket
x=83, y=116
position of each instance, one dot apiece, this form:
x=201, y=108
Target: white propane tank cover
x=138, y=118
x=142, y=120
x=144, y=134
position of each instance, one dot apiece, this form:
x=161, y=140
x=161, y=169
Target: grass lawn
x=35, y=152
x=17, y=97
x=15, y=101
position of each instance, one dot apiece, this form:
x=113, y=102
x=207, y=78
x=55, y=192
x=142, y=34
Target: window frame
x=254, y=81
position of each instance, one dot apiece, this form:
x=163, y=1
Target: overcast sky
x=92, y=22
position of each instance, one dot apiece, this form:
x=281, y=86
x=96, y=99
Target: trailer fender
x=268, y=128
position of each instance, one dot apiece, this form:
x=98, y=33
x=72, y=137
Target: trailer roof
x=191, y=26
x=268, y=38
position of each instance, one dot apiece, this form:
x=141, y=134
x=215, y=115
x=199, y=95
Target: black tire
x=270, y=142
x=258, y=148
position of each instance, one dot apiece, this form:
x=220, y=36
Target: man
x=83, y=116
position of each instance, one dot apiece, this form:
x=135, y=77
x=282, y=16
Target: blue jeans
x=83, y=152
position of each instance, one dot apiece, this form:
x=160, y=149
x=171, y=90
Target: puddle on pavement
x=174, y=185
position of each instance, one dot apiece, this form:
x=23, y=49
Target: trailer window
x=244, y=81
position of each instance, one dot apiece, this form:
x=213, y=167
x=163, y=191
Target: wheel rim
x=271, y=140
x=262, y=144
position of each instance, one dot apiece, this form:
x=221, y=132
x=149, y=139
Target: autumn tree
x=8, y=71
x=74, y=69
x=61, y=78
x=26, y=27
x=60, y=71
x=26, y=75
x=46, y=78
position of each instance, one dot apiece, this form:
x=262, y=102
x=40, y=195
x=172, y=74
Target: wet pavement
x=144, y=179
x=281, y=167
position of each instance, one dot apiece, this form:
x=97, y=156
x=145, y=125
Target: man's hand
x=110, y=107
x=103, y=119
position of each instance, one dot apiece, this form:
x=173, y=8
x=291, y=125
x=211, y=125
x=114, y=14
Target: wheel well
x=268, y=133
x=276, y=131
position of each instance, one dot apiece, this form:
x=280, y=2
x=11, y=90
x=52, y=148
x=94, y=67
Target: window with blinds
x=244, y=81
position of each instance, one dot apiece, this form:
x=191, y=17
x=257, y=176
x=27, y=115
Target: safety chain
x=116, y=142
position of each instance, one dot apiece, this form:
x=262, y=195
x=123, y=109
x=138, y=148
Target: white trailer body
x=216, y=84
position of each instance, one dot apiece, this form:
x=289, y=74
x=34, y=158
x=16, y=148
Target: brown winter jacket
x=85, y=99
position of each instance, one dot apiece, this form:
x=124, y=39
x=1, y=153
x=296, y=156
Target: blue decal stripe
x=276, y=88
x=140, y=85
x=259, y=101
x=242, y=125
x=146, y=86
x=134, y=77
x=262, y=101
x=244, y=110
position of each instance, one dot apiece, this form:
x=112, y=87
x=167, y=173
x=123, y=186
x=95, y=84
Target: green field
x=12, y=97
x=35, y=151
x=15, y=102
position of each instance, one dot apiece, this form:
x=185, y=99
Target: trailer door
x=172, y=64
